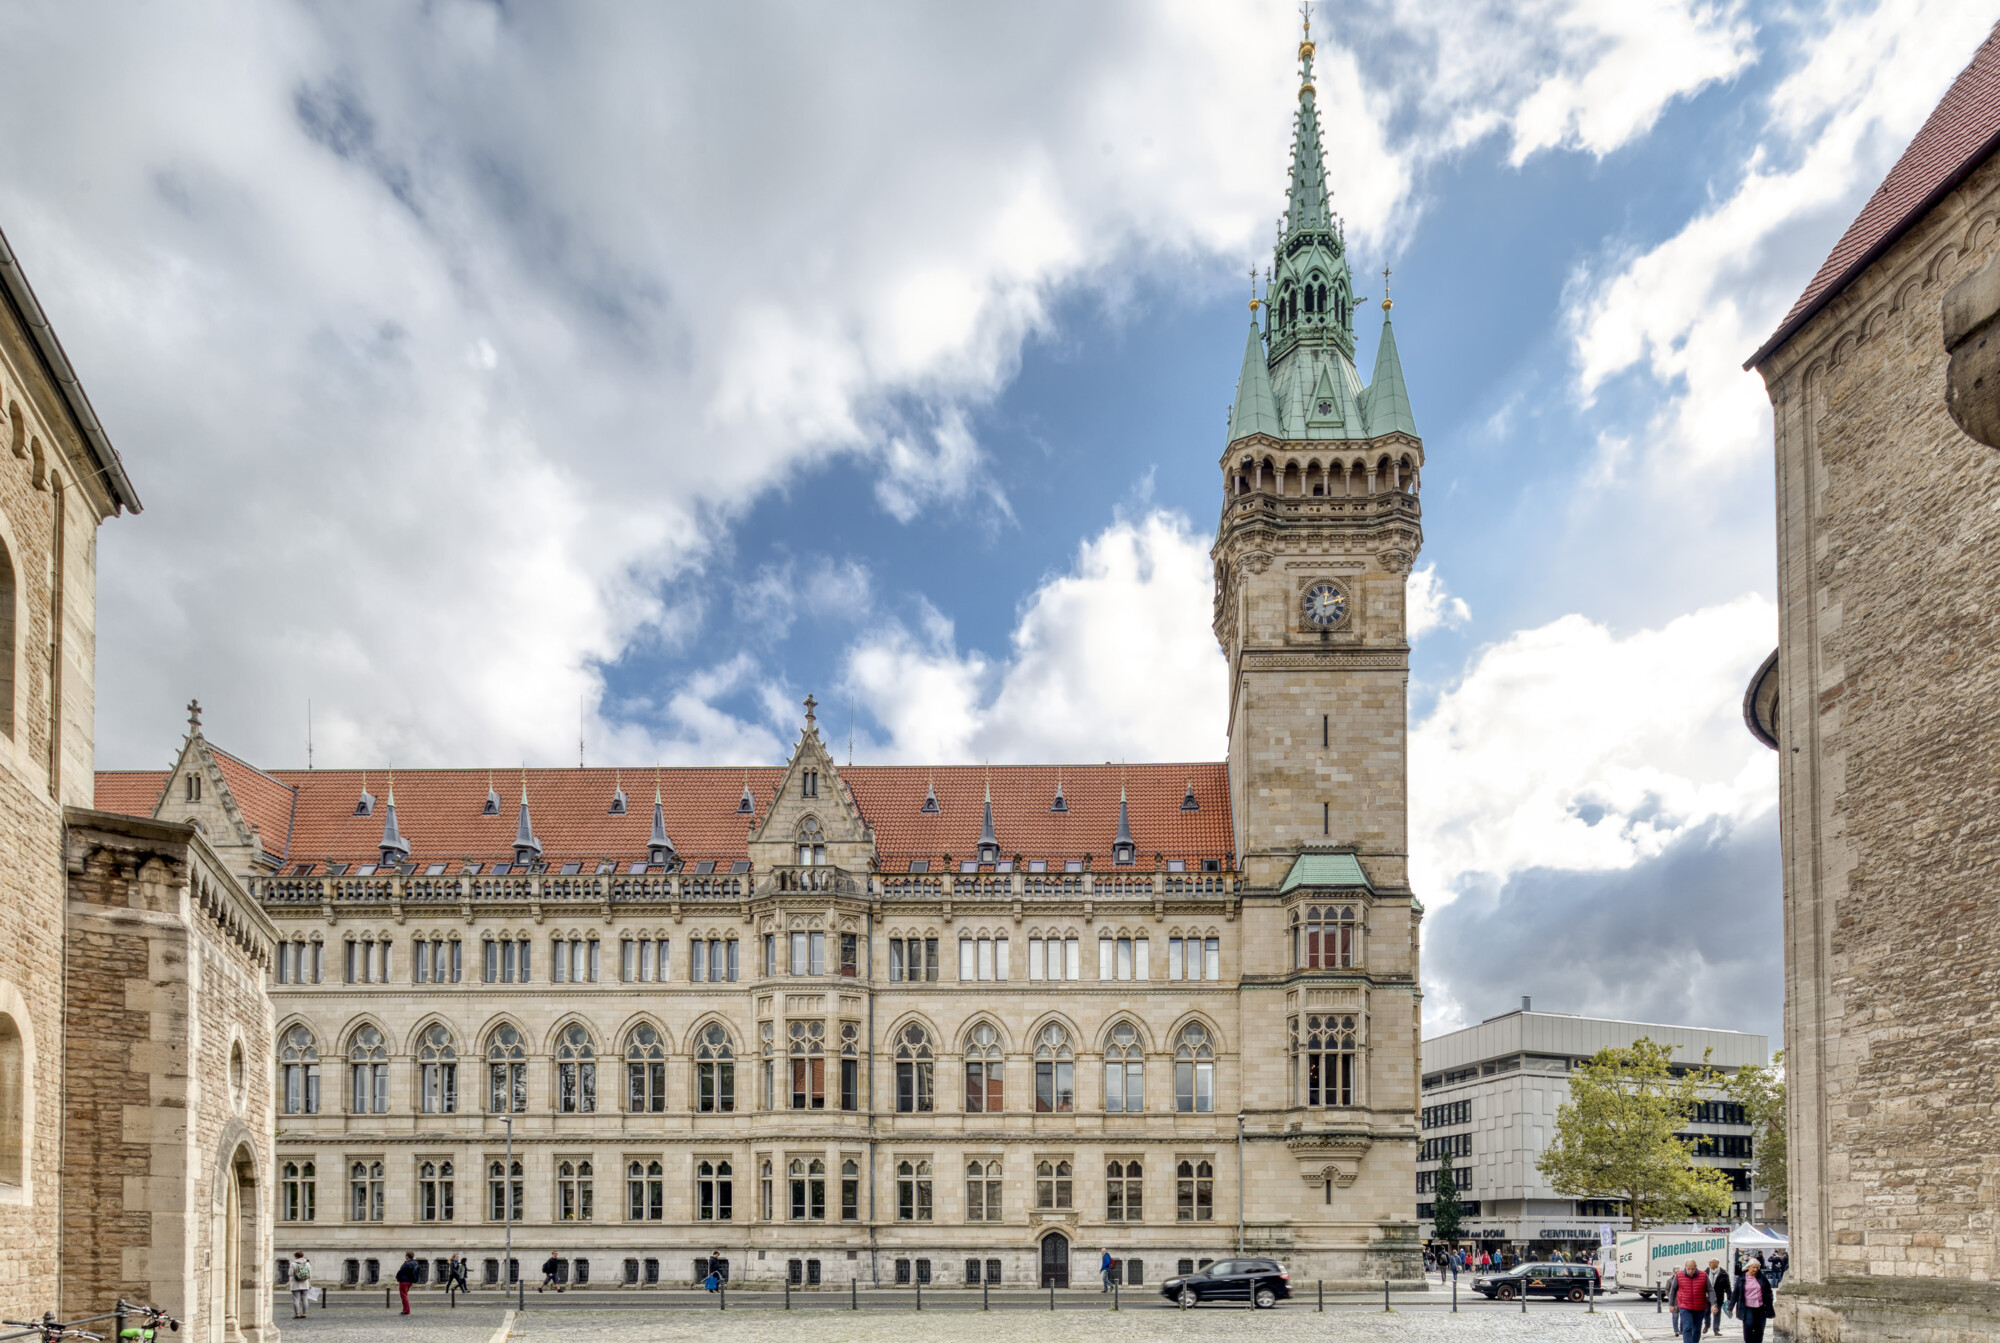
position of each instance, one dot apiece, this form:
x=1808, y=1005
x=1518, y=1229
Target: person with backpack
x=300, y=1276
x=1104, y=1269
x=405, y=1275
x=1690, y=1302
x=550, y=1268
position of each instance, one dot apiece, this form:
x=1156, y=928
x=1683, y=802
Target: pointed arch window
x=1326, y=1051
x=984, y=1071
x=914, y=1060
x=811, y=842
x=808, y=1181
x=1124, y=1191
x=298, y=1193
x=368, y=1073
x=1194, y=1070
x=714, y=1071
x=1194, y=1192
x=1055, y=1072
x=1325, y=937
x=982, y=1190
x=913, y=1191
x=437, y=1193
x=576, y=1194
x=1054, y=1182
x=1124, y=1071
x=715, y=1192
x=850, y=1065
x=645, y=1191
x=504, y=1191
x=576, y=1071
x=365, y=1186
x=298, y=1066
x=507, y=1072
x=808, y=1060
x=645, y=1071
x=437, y=1071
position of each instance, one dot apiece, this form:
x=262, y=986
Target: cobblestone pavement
x=1027, y=1326
x=424, y=1324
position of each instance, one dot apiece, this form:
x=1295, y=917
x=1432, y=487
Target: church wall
x=1889, y=555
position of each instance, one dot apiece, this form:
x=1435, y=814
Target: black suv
x=1571, y=1281
x=1261, y=1282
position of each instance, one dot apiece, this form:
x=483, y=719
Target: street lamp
x=1239, y=1184
x=507, y=1213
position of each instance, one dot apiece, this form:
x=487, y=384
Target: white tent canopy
x=1748, y=1237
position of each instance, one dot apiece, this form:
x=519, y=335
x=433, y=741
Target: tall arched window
x=913, y=1191
x=645, y=1071
x=1053, y=1183
x=645, y=1192
x=576, y=1071
x=13, y=1103
x=1124, y=1191
x=1194, y=1192
x=1124, y=1071
x=298, y=1068
x=714, y=1072
x=715, y=1192
x=1326, y=1051
x=575, y=1191
x=982, y=1190
x=437, y=1068
x=1055, y=1071
x=368, y=1072
x=984, y=1093
x=808, y=1190
x=504, y=1191
x=507, y=1072
x=1194, y=1070
x=914, y=1059
x=808, y=1058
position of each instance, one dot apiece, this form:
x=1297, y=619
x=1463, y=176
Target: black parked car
x=1572, y=1282
x=1261, y=1282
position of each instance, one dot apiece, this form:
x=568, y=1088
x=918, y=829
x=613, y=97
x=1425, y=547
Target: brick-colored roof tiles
x=1961, y=133
x=129, y=792
x=439, y=811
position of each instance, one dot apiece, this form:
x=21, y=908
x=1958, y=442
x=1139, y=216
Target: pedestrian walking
x=1690, y=1302
x=716, y=1268
x=1752, y=1302
x=406, y=1275
x=1781, y=1262
x=1105, y=1265
x=550, y=1267
x=1719, y=1290
x=460, y=1272
x=300, y=1277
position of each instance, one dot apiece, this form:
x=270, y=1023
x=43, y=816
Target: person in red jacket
x=1691, y=1300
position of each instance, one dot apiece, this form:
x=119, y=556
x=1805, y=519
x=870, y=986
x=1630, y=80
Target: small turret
x=659, y=849
x=746, y=805
x=1123, y=851
x=989, y=846
x=1061, y=804
x=395, y=849
x=492, y=807
x=526, y=847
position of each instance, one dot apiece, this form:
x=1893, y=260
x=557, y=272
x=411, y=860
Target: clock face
x=1326, y=605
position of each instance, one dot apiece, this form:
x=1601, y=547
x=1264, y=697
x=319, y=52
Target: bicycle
x=150, y=1320
x=50, y=1330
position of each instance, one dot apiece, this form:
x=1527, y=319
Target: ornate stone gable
x=196, y=792
x=812, y=819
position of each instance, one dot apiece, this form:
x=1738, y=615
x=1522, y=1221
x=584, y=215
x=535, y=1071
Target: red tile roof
x=439, y=810
x=1962, y=132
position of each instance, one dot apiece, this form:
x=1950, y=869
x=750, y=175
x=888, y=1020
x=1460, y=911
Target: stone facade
x=1889, y=556
x=167, y=1158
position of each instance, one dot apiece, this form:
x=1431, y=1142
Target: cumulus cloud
x=1570, y=747
x=1428, y=606
x=1111, y=659
x=1686, y=312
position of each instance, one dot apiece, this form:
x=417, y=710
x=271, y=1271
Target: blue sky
x=498, y=376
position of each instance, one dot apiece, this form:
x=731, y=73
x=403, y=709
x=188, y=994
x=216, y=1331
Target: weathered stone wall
x=167, y=1164
x=1889, y=562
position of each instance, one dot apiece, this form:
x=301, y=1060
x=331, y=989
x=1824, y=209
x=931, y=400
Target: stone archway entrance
x=1055, y=1260
x=238, y=1302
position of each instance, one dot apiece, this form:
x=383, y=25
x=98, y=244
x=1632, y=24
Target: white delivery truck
x=1648, y=1260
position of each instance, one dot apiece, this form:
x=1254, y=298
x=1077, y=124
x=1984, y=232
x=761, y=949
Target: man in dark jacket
x=406, y=1275
x=1752, y=1301
x=716, y=1270
x=1718, y=1295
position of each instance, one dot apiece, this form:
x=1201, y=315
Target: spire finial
x=656, y=785
x=1386, y=304
x=811, y=704
x=1253, y=286
x=194, y=716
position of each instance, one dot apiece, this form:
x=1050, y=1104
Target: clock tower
x=1320, y=525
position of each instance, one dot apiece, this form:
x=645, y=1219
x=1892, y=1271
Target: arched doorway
x=241, y=1295
x=1055, y=1260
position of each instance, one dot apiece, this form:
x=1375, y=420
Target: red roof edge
x=1960, y=105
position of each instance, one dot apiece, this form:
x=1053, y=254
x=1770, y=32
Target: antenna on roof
x=309, y=734
x=850, y=729
x=581, y=700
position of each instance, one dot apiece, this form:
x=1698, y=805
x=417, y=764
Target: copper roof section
x=1961, y=133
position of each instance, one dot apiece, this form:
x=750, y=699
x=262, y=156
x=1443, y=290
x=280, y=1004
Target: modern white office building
x=1490, y=1096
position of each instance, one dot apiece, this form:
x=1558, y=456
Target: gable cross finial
x=811, y=704
x=1386, y=273
x=194, y=715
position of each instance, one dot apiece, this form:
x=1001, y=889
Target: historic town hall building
x=898, y=1024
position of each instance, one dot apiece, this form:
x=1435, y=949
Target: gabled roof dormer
x=812, y=817
x=199, y=791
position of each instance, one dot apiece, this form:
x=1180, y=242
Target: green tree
x=1446, y=1215
x=1761, y=1093
x=1616, y=1137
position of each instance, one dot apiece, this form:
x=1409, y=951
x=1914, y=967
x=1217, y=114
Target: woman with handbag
x=1752, y=1302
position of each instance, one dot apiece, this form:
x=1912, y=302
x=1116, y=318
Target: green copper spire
x=1307, y=207
x=1256, y=408
x=1387, y=401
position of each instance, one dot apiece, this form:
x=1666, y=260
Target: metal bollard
x=1454, y=1293
x=854, y=1294
x=985, y=1289
x=722, y=1296
x=388, y=1298
x=1385, y=1296
x=1114, y=1294
x=1524, y=1296
x=1052, y=1296
x=1321, y=1307
x=920, y=1296
x=788, y=1291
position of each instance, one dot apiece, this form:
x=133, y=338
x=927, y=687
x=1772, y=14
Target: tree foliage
x=1616, y=1137
x=1447, y=1217
x=1761, y=1093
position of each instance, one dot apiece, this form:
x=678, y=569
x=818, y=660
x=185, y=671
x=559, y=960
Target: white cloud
x=1428, y=606
x=1110, y=660
x=1688, y=311
x=1571, y=747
